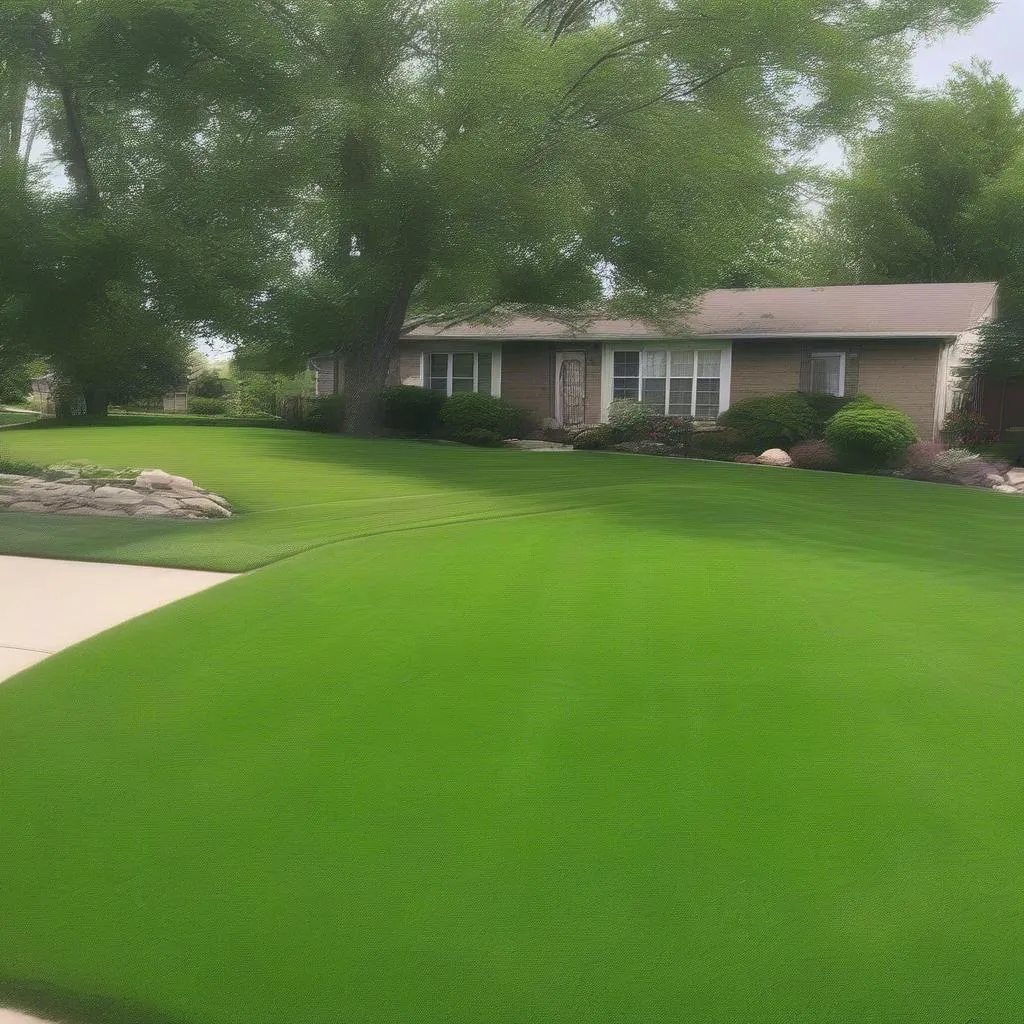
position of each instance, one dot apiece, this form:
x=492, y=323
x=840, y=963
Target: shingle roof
x=895, y=310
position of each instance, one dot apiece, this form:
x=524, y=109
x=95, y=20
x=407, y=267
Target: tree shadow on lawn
x=52, y=1003
x=961, y=532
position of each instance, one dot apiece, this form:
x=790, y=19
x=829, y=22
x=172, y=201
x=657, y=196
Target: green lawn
x=523, y=737
x=8, y=418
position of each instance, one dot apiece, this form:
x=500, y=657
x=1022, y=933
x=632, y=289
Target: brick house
x=900, y=344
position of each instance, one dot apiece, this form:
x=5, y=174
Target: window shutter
x=852, y=374
x=804, y=383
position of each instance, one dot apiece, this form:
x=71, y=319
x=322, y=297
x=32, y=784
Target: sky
x=999, y=38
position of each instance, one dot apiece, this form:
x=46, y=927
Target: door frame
x=560, y=357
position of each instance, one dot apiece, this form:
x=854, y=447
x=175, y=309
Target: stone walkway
x=47, y=605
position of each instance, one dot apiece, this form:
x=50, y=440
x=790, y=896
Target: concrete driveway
x=47, y=605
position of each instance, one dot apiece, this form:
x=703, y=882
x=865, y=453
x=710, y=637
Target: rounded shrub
x=412, y=410
x=826, y=406
x=324, y=415
x=813, y=455
x=479, y=437
x=775, y=421
x=631, y=418
x=468, y=410
x=674, y=431
x=870, y=436
x=721, y=443
x=201, y=406
x=595, y=438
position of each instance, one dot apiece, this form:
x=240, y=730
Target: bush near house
x=412, y=410
x=598, y=437
x=201, y=406
x=723, y=443
x=630, y=417
x=870, y=436
x=967, y=427
x=825, y=407
x=323, y=415
x=468, y=411
x=814, y=455
x=675, y=431
x=774, y=421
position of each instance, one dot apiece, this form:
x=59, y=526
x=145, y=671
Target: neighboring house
x=900, y=344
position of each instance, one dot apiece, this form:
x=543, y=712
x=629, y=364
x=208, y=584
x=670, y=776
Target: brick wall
x=898, y=373
x=764, y=368
x=527, y=369
x=903, y=374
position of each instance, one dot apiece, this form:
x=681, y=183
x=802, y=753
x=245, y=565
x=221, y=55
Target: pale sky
x=999, y=39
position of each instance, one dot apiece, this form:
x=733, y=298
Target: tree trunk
x=367, y=364
x=96, y=402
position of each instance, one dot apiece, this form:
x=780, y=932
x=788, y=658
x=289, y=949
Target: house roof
x=885, y=310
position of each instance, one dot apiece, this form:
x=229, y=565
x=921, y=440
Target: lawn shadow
x=57, y=1004
x=960, y=531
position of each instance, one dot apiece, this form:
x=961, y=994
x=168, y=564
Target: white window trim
x=625, y=345
x=842, y=369
x=494, y=351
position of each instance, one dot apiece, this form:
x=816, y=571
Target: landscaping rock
x=153, y=478
x=994, y=479
x=207, y=507
x=774, y=457
x=155, y=494
x=1007, y=489
x=1015, y=477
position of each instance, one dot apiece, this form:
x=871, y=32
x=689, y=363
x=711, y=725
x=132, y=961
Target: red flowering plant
x=673, y=431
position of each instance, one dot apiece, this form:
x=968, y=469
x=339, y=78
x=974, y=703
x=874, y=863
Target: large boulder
x=774, y=457
x=1015, y=477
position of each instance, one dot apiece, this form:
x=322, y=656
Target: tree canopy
x=323, y=176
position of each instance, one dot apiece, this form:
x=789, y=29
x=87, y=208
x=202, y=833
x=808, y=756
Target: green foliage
x=825, y=407
x=200, y=406
x=478, y=437
x=208, y=384
x=468, y=410
x=1000, y=351
x=631, y=418
x=412, y=410
x=598, y=437
x=775, y=421
x=15, y=383
x=870, y=436
x=936, y=193
x=323, y=415
x=721, y=443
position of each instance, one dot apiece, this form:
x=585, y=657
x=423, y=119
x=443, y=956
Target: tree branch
x=79, y=167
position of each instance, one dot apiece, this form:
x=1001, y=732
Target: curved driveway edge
x=47, y=605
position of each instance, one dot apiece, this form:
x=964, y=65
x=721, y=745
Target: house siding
x=898, y=373
x=527, y=369
x=904, y=375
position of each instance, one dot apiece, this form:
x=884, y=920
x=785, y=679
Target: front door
x=571, y=388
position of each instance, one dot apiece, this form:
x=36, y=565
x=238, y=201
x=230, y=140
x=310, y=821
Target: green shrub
x=468, y=410
x=412, y=410
x=479, y=437
x=722, y=443
x=870, y=436
x=826, y=406
x=16, y=467
x=674, y=431
x=200, y=406
x=775, y=421
x=631, y=418
x=323, y=415
x=595, y=438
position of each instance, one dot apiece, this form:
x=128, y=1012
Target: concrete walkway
x=47, y=605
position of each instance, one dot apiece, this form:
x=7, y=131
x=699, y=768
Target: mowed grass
x=524, y=737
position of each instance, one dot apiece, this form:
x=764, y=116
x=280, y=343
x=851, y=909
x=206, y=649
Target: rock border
x=152, y=494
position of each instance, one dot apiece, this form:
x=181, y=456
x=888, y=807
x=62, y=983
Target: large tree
x=455, y=158
x=936, y=193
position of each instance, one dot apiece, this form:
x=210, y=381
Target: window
x=451, y=372
x=675, y=381
x=828, y=373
